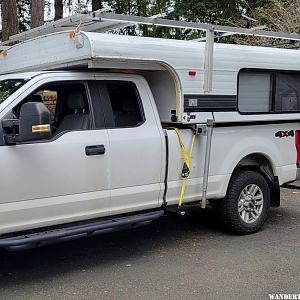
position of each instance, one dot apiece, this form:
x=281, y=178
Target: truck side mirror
x=33, y=124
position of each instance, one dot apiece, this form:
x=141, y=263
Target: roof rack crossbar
x=104, y=21
x=198, y=26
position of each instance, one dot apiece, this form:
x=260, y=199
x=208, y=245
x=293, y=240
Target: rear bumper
x=298, y=173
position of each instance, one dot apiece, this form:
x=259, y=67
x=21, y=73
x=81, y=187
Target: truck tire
x=246, y=205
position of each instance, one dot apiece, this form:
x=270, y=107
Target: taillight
x=297, y=136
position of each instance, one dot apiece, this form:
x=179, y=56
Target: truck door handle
x=94, y=150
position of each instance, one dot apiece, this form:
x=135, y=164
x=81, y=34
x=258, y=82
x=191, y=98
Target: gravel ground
x=190, y=258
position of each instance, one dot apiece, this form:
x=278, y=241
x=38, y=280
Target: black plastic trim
x=97, y=105
x=94, y=227
x=215, y=103
x=274, y=189
x=167, y=168
x=254, y=123
x=94, y=150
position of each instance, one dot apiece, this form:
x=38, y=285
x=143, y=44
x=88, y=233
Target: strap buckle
x=185, y=171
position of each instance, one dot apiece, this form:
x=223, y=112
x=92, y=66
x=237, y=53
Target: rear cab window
x=121, y=104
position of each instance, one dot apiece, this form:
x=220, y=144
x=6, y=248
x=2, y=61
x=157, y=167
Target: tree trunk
x=37, y=13
x=58, y=7
x=96, y=4
x=10, y=24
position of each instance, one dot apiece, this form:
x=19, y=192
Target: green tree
x=140, y=8
x=23, y=14
x=206, y=11
x=226, y=12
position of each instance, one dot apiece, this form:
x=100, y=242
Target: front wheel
x=247, y=202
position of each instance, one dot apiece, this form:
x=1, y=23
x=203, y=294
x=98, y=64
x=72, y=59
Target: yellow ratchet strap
x=187, y=163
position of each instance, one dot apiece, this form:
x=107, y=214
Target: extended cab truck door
x=54, y=181
x=136, y=148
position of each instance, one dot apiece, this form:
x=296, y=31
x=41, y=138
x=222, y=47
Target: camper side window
x=255, y=92
x=262, y=91
x=287, y=92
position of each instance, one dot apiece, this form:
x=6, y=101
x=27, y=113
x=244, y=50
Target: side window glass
x=262, y=91
x=68, y=105
x=254, y=92
x=49, y=98
x=287, y=93
x=125, y=103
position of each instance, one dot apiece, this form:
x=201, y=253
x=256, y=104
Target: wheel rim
x=250, y=204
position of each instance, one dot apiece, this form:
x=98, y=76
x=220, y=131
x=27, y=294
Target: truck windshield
x=9, y=86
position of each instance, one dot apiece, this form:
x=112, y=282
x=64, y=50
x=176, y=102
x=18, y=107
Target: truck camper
x=102, y=132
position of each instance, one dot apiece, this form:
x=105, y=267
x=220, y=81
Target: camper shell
x=175, y=70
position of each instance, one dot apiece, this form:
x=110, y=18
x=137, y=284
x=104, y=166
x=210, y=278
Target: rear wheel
x=247, y=202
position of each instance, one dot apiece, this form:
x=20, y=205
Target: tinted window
x=125, y=103
x=287, y=92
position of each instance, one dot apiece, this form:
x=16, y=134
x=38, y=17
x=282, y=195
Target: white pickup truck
x=100, y=139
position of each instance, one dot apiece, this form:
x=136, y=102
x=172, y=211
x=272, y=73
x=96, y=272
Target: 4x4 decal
x=286, y=133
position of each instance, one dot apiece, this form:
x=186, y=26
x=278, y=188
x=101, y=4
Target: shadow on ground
x=111, y=249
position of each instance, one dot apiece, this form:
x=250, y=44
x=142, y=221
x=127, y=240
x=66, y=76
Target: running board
x=291, y=186
x=51, y=236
